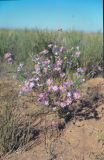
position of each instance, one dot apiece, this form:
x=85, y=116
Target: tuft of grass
x=14, y=133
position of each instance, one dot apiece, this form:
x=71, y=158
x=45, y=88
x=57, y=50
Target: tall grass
x=22, y=43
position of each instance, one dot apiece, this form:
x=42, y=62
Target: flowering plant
x=57, y=87
x=8, y=57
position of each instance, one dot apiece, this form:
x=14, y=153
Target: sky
x=83, y=15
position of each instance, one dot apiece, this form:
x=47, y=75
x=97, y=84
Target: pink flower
x=62, y=89
x=10, y=59
x=28, y=86
x=7, y=55
x=62, y=75
x=76, y=95
x=47, y=62
x=63, y=104
x=54, y=109
x=37, y=68
x=31, y=85
x=24, y=90
x=69, y=101
x=59, y=62
x=77, y=54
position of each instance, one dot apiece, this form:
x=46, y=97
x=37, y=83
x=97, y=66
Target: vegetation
x=51, y=67
x=24, y=42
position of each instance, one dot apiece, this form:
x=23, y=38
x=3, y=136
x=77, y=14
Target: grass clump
x=14, y=134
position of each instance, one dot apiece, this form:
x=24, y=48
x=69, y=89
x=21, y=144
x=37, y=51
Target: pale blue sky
x=86, y=15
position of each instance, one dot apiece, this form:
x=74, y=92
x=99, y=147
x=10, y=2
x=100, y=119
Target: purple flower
x=67, y=84
x=47, y=62
x=80, y=70
x=55, y=88
x=69, y=94
x=43, y=98
x=31, y=85
x=36, y=79
x=28, y=86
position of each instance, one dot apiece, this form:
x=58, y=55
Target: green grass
x=22, y=43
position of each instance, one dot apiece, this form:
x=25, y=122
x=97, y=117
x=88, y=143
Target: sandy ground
x=83, y=140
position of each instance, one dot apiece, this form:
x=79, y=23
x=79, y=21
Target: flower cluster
x=29, y=85
x=8, y=57
x=43, y=98
x=51, y=76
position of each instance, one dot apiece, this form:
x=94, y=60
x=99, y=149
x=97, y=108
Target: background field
x=22, y=43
